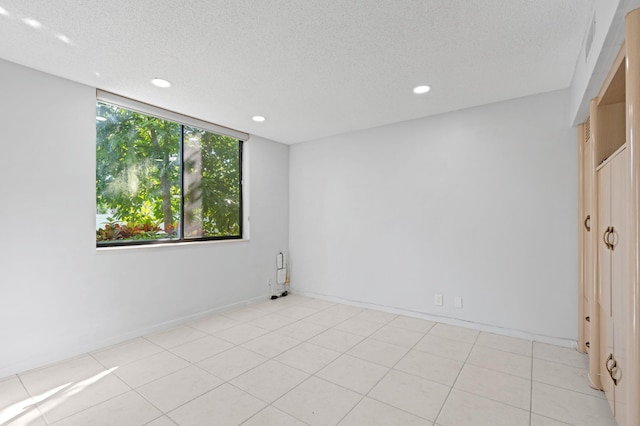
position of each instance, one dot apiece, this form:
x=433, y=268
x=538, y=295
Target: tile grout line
x=456, y=379
x=366, y=395
x=497, y=371
x=492, y=399
x=163, y=413
x=33, y=402
x=565, y=365
x=571, y=390
x=376, y=384
x=413, y=347
x=160, y=417
x=166, y=413
x=277, y=330
x=268, y=404
x=275, y=408
x=312, y=375
x=223, y=380
x=531, y=389
x=18, y=376
x=342, y=353
x=130, y=388
x=91, y=354
x=555, y=420
x=92, y=406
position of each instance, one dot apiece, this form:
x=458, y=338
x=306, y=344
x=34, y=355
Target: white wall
x=480, y=203
x=59, y=296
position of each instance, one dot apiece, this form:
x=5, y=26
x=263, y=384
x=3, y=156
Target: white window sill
x=177, y=244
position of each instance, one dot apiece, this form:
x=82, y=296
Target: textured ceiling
x=314, y=68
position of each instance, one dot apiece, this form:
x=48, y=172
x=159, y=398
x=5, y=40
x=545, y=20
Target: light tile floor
x=297, y=361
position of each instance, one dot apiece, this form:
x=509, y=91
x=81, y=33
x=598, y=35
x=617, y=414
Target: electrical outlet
x=437, y=299
x=457, y=302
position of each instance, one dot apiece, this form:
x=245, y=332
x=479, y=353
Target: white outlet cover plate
x=437, y=300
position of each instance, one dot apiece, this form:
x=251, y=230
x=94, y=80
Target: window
x=162, y=179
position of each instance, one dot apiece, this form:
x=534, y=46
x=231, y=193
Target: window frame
x=182, y=120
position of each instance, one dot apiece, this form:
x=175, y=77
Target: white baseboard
x=55, y=356
x=558, y=341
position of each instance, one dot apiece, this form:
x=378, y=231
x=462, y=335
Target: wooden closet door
x=588, y=259
x=604, y=281
x=620, y=289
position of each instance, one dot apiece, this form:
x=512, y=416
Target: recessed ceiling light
x=63, y=38
x=258, y=118
x=33, y=23
x=159, y=82
x=3, y=12
x=421, y=89
x=100, y=118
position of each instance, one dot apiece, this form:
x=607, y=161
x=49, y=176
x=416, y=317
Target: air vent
x=587, y=129
x=588, y=42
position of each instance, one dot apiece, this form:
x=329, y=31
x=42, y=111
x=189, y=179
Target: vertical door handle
x=616, y=373
x=612, y=241
x=606, y=363
x=604, y=237
x=611, y=367
x=587, y=222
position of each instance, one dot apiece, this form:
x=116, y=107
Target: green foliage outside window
x=143, y=193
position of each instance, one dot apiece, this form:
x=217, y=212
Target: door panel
x=588, y=253
x=604, y=281
x=620, y=289
x=588, y=263
x=604, y=254
x=606, y=349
